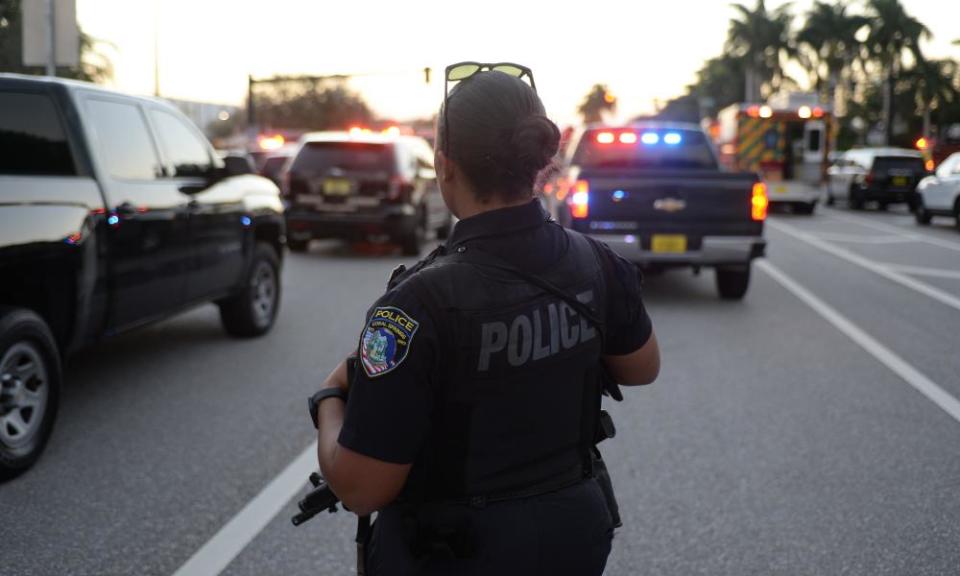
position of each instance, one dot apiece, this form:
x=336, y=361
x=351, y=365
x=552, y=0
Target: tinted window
x=320, y=157
x=32, y=139
x=888, y=163
x=182, y=148
x=125, y=145
x=813, y=141
x=686, y=149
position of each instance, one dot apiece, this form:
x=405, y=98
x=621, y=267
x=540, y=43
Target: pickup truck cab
x=654, y=192
x=115, y=212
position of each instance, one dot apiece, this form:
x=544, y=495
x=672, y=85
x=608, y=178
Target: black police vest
x=517, y=390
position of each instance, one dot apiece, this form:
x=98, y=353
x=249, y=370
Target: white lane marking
x=855, y=239
x=880, y=226
x=880, y=269
x=884, y=355
x=234, y=536
x=924, y=271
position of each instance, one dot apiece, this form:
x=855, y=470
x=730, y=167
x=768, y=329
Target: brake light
x=759, y=202
x=605, y=138
x=580, y=199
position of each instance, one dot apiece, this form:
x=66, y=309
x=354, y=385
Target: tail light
x=869, y=178
x=399, y=188
x=580, y=199
x=759, y=202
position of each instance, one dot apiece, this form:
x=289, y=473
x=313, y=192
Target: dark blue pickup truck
x=115, y=212
x=655, y=193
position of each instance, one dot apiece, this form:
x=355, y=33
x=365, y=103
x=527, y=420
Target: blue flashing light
x=650, y=138
x=672, y=138
x=245, y=220
x=619, y=195
x=113, y=220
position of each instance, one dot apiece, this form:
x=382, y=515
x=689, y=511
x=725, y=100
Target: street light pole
x=51, y=39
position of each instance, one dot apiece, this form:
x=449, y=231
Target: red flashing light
x=628, y=138
x=818, y=112
x=605, y=138
x=580, y=199
x=753, y=111
x=759, y=202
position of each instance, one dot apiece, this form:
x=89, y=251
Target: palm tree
x=762, y=39
x=893, y=33
x=595, y=103
x=933, y=82
x=830, y=36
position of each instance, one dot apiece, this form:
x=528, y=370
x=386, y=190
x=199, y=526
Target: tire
x=412, y=242
x=921, y=215
x=298, y=245
x=30, y=379
x=252, y=310
x=855, y=199
x=732, y=283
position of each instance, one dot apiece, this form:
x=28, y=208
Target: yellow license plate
x=668, y=243
x=900, y=181
x=336, y=187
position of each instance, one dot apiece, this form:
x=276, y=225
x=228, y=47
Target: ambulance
x=786, y=141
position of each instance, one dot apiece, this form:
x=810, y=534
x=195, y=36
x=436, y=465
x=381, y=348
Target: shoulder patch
x=386, y=340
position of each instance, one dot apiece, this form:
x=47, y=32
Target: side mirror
x=238, y=165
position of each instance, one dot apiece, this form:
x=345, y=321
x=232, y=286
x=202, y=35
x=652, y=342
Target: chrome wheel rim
x=24, y=390
x=264, y=293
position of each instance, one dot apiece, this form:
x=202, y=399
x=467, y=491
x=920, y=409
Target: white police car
x=940, y=193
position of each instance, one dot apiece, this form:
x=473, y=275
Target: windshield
x=898, y=163
x=321, y=157
x=642, y=149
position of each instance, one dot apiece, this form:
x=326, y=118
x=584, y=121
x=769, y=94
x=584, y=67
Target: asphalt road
x=774, y=442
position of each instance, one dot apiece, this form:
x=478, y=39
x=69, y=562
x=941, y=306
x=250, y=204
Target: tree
x=830, y=38
x=934, y=87
x=308, y=105
x=595, y=103
x=762, y=38
x=893, y=34
x=94, y=65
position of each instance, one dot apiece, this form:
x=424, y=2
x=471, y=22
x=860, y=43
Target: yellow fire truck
x=786, y=141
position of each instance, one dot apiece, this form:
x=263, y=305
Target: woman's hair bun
x=534, y=143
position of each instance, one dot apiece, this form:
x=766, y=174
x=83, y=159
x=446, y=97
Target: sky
x=643, y=50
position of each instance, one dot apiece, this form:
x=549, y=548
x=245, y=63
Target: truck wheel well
x=270, y=233
x=46, y=291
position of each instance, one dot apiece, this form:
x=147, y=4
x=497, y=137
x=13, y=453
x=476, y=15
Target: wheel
x=920, y=214
x=412, y=241
x=443, y=232
x=732, y=283
x=252, y=310
x=298, y=245
x=855, y=199
x=29, y=389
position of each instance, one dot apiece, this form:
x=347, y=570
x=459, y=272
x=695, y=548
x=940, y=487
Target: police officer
x=470, y=417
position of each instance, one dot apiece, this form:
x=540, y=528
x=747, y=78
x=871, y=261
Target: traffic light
x=426, y=74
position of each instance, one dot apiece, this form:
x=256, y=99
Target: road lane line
x=879, y=269
x=883, y=227
x=924, y=271
x=855, y=239
x=884, y=355
x=236, y=534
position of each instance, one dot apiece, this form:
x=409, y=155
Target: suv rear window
x=888, y=163
x=652, y=148
x=32, y=138
x=319, y=158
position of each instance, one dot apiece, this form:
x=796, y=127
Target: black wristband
x=313, y=403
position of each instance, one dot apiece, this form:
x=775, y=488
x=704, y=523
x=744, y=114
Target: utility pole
x=51, y=38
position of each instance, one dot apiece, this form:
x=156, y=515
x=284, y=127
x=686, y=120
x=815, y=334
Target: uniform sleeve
x=391, y=399
x=628, y=325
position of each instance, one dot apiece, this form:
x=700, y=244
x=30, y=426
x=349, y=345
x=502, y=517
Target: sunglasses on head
x=463, y=70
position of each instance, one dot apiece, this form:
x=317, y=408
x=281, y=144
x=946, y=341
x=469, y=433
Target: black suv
x=115, y=212
x=353, y=186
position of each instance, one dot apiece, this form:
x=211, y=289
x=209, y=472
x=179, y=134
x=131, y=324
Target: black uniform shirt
x=391, y=398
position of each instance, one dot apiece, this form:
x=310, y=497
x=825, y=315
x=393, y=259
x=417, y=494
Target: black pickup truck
x=115, y=212
x=654, y=192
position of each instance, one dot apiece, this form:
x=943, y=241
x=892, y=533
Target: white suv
x=940, y=193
